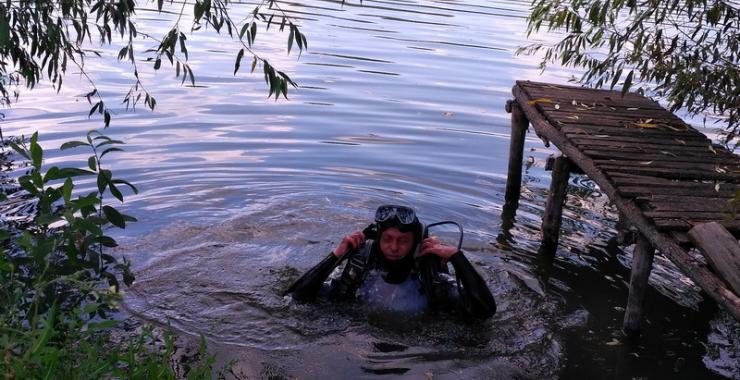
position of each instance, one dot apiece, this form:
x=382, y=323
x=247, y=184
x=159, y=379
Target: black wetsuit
x=471, y=296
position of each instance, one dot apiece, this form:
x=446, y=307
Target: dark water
x=399, y=102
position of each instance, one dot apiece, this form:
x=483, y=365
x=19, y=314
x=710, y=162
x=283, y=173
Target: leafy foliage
x=687, y=51
x=58, y=285
x=41, y=40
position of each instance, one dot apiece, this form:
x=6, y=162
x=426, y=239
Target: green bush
x=59, y=283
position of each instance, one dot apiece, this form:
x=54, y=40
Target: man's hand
x=348, y=243
x=432, y=246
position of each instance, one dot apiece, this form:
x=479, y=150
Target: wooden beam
x=552, y=218
x=642, y=263
x=696, y=270
x=721, y=250
x=519, y=125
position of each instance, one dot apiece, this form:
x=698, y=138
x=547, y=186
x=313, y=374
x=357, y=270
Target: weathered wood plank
x=662, y=198
x=625, y=122
x=636, y=191
x=687, y=208
x=599, y=144
x=570, y=93
x=634, y=156
x=664, y=150
x=718, y=216
x=616, y=139
x=684, y=225
x=602, y=110
x=631, y=131
x=721, y=250
x=673, y=173
x=708, y=167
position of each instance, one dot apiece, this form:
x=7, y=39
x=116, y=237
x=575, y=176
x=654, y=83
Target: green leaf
x=19, y=149
x=243, y=30
x=4, y=32
x=110, y=150
x=290, y=38
x=37, y=154
x=114, y=216
x=92, y=163
x=82, y=202
x=4, y=235
x=122, y=181
x=114, y=190
x=627, y=83
x=89, y=226
x=102, y=181
x=157, y=64
x=67, y=190
x=51, y=174
x=107, y=241
x=72, y=144
x=253, y=32
x=104, y=325
x=73, y=172
x=239, y=57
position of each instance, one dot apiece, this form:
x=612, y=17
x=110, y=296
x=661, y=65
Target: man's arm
x=308, y=286
x=477, y=299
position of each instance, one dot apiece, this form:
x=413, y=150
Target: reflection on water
x=399, y=102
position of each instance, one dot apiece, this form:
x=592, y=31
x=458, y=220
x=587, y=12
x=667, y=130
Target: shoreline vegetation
x=60, y=284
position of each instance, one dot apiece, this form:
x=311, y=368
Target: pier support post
x=642, y=263
x=554, y=208
x=519, y=125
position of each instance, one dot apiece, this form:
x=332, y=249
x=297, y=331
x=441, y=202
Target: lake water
x=399, y=102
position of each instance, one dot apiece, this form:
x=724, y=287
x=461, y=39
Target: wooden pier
x=670, y=184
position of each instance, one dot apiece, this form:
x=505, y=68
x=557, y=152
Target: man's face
x=396, y=244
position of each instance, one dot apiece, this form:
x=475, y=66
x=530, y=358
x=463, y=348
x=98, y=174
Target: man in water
x=384, y=272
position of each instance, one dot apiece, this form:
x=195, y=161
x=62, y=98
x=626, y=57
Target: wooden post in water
x=554, y=208
x=642, y=263
x=519, y=125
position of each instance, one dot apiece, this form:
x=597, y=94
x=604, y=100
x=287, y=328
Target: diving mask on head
x=404, y=215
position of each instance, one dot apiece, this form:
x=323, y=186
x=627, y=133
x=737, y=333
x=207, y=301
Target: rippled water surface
x=399, y=102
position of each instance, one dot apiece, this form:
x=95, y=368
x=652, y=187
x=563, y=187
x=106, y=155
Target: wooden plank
x=673, y=173
x=629, y=130
x=602, y=110
x=624, y=122
x=721, y=250
x=684, y=225
x=718, y=168
x=635, y=156
x=655, y=119
x=639, y=140
x=636, y=191
x=588, y=96
x=630, y=177
x=718, y=216
x=696, y=270
x=661, y=198
x=597, y=144
x=687, y=207
x=664, y=150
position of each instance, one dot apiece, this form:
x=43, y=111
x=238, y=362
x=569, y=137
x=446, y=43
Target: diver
x=392, y=265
